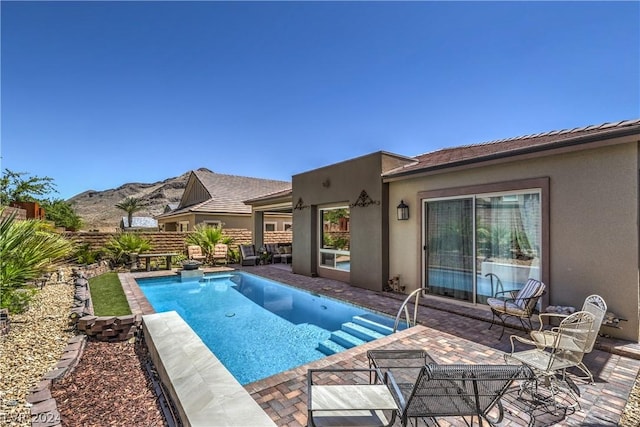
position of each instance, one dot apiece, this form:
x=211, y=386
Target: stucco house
x=218, y=200
x=561, y=206
x=139, y=223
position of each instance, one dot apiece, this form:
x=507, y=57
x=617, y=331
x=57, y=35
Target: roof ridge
x=209, y=172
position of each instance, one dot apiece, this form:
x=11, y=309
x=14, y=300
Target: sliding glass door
x=449, y=248
x=478, y=244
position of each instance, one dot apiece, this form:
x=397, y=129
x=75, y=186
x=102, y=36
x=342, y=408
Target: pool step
x=345, y=339
x=359, y=331
x=329, y=347
x=373, y=325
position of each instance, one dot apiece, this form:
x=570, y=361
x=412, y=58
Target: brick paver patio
x=450, y=333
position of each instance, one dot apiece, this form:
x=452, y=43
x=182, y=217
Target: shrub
x=207, y=237
x=28, y=250
x=126, y=243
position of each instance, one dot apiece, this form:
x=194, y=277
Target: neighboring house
x=218, y=200
x=33, y=209
x=170, y=207
x=561, y=206
x=139, y=223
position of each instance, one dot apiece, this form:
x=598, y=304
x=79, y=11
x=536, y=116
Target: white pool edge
x=202, y=389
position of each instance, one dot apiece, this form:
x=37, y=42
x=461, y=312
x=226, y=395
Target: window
x=215, y=224
x=475, y=238
x=288, y=226
x=335, y=239
x=183, y=226
x=270, y=226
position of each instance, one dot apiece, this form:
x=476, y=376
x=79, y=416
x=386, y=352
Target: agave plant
x=28, y=249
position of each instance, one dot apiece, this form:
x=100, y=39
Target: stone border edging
x=44, y=409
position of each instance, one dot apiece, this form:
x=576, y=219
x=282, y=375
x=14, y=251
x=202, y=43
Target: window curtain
x=450, y=248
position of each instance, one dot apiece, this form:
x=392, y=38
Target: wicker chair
x=220, y=253
x=273, y=252
x=194, y=252
x=249, y=255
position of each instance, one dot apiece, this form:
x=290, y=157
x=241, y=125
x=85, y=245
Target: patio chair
x=570, y=342
x=248, y=255
x=286, y=256
x=519, y=304
x=344, y=397
x=220, y=253
x=457, y=390
x=543, y=338
x=273, y=252
x=194, y=252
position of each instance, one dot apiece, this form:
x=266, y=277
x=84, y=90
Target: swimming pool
x=258, y=327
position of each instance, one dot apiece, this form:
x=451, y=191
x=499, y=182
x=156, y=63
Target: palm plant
x=130, y=205
x=28, y=249
x=127, y=243
x=207, y=237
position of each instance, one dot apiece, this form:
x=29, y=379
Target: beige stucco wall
x=593, y=196
x=227, y=220
x=341, y=184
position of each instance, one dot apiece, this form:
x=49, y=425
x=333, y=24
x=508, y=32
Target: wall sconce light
x=403, y=211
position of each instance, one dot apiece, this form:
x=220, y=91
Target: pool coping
x=140, y=305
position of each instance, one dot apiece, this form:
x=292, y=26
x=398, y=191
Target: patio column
x=258, y=229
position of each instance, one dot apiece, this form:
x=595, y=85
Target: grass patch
x=107, y=296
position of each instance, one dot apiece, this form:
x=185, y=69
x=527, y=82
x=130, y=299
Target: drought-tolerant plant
x=15, y=187
x=84, y=254
x=62, y=214
x=207, y=237
x=130, y=205
x=124, y=244
x=28, y=250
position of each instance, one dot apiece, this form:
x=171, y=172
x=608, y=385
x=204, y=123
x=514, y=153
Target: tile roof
x=228, y=192
x=456, y=156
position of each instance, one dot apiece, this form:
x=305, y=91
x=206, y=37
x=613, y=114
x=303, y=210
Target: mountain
x=98, y=208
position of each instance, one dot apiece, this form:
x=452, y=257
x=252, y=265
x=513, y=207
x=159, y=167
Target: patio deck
x=450, y=333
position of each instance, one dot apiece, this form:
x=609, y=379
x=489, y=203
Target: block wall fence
x=168, y=241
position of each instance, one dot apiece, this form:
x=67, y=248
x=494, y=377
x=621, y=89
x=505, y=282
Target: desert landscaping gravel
x=32, y=347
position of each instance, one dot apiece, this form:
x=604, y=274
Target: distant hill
x=98, y=208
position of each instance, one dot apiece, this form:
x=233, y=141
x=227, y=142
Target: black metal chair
x=457, y=391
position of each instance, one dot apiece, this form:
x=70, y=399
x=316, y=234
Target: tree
x=62, y=214
x=15, y=187
x=130, y=205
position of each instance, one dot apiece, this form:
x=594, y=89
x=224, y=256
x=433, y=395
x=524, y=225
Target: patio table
x=148, y=257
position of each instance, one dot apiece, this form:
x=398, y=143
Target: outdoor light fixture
x=403, y=211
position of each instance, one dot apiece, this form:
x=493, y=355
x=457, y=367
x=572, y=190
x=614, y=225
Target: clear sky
x=98, y=94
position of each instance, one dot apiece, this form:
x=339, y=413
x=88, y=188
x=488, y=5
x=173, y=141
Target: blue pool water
x=256, y=327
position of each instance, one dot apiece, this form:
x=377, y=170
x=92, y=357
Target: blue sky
x=98, y=94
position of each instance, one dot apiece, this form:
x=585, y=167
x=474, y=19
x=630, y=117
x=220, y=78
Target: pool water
x=254, y=326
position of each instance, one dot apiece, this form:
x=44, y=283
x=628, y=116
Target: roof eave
x=535, y=149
